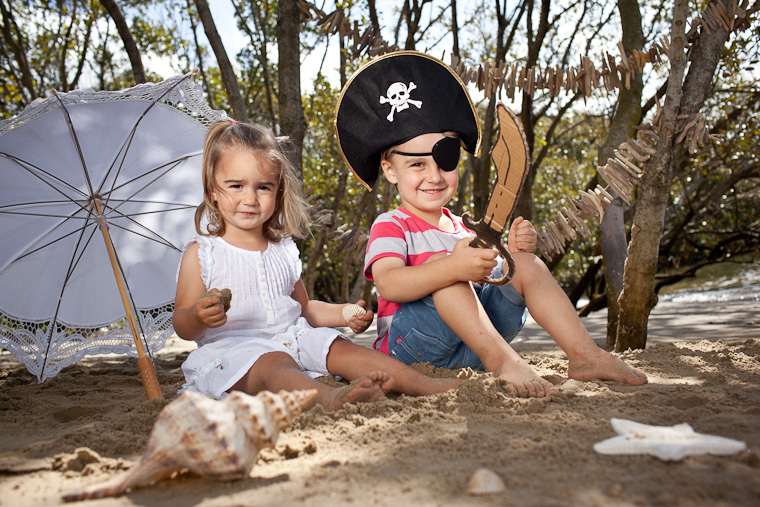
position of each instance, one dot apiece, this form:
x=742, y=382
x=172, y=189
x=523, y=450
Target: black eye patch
x=445, y=153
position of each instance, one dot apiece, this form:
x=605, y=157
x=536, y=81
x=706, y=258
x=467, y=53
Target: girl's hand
x=209, y=309
x=360, y=323
x=522, y=236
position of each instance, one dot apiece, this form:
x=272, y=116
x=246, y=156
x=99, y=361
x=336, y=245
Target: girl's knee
x=341, y=346
x=342, y=351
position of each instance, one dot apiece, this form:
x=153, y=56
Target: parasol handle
x=149, y=379
x=144, y=363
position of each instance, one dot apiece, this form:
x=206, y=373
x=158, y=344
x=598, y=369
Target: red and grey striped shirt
x=400, y=234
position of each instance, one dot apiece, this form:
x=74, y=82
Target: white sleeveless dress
x=263, y=317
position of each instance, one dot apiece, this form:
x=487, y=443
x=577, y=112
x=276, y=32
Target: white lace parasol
x=72, y=163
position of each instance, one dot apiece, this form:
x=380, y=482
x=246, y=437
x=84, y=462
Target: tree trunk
x=481, y=173
x=454, y=29
x=292, y=120
x=225, y=67
x=638, y=296
x=627, y=115
x=83, y=54
x=199, y=55
x=259, y=44
x=66, y=43
x=535, y=42
x=130, y=46
x=10, y=29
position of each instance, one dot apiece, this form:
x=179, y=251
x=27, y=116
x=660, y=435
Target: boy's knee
x=456, y=290
x=528, y=261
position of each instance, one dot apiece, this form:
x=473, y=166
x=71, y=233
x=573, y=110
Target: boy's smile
x=423, y=186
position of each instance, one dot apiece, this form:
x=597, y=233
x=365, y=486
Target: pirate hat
x=395, y=98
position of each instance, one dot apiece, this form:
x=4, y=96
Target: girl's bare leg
x=350, y=361
x=277, y=371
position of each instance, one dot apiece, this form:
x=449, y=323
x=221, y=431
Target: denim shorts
x=419, y=335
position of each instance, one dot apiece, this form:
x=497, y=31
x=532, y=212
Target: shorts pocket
x=418, y=347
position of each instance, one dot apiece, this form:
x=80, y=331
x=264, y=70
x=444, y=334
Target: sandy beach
x=703, y=360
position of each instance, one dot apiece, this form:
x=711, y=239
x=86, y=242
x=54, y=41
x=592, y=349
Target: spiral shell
x=485, y=482
x=351, y=311
x=219, y=440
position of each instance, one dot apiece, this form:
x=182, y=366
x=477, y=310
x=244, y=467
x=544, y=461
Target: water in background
x=727, y=281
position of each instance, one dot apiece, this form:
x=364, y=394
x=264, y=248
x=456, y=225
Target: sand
x=93, y=420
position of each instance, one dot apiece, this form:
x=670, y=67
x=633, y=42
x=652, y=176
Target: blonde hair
x=290, y=217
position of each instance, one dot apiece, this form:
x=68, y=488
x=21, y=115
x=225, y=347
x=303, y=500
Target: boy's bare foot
x=524, y=382
x=368, y=388
x=598, y=364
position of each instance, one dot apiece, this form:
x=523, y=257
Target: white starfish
x=669, y=443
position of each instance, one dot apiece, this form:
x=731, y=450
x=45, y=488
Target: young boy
x=407, y=114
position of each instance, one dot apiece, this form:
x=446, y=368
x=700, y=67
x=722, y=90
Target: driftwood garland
x=622, y=171
x=612, y=73
x=336, y=22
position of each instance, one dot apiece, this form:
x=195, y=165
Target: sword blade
x=510, y=157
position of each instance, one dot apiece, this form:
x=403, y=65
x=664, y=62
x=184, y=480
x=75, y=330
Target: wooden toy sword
x=510, y=157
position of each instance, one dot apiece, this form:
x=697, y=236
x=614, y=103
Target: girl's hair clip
x=234, y=122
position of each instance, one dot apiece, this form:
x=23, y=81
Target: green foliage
x=324, y=173
x=715, y=198
x=569, y=166
x=72, y=44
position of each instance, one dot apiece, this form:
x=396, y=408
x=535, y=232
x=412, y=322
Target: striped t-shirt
x=400, y=234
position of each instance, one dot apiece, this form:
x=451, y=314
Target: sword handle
x=486, y=237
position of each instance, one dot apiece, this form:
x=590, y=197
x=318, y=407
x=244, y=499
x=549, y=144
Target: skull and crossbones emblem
x=398, y=97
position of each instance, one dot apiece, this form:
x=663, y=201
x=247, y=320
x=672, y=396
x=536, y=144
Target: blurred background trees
x=289, y=59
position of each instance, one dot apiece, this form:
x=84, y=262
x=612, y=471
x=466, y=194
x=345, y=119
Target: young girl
x=272, y=337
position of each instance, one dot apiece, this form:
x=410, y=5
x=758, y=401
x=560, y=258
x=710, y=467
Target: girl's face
x=423, y=186
x=247, y=193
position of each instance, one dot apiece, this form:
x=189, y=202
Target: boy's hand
x=360, y=323
x=472, y=264
x=209, y=309
x=522, y=236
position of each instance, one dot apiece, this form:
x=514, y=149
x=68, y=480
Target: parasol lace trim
x=180, y=92
x=27, y=341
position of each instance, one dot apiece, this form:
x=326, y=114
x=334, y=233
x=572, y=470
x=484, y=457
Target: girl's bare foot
x=368, y=388
x=598, y=364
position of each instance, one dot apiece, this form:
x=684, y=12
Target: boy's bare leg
x=349, y=361
x=456, y=305
x=277, y=371
x=549, y=306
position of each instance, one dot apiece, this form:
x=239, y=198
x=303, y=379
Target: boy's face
x=423, y=186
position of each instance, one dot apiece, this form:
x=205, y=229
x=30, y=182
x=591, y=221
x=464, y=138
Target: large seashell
x=351, y=311
x=485, y=482
x=218, y=440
